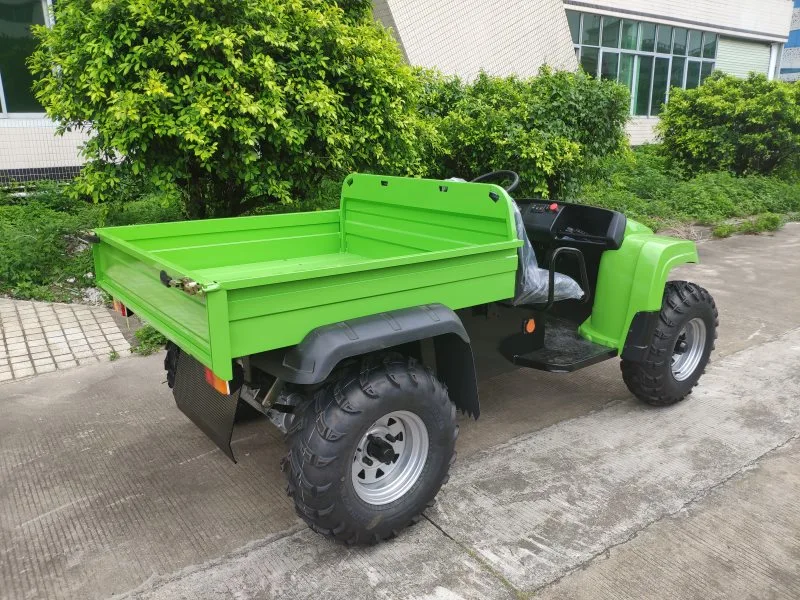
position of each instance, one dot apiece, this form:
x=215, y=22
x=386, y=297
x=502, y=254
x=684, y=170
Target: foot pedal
x=563, y=351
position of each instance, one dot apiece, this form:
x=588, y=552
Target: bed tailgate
x=136, y=279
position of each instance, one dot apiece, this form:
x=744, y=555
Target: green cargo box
x=264, y=282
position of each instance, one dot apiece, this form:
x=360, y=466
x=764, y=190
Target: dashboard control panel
x=547, y=221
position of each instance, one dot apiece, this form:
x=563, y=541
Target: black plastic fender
x=640, y=336
x=312, y=360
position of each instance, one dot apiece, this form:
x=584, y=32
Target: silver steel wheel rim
x=380, y=483
x=688, y=350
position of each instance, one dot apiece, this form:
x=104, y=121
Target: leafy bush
x=148, y=340
x=41, y=255
x=753, y=226
x=33, y=242
x=227, y=102
x=725, y=230
x=642, y=185
x=548, y=128
x=745, y=126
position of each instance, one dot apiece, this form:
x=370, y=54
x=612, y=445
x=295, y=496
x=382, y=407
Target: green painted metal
x=632, y=280
x=269, y=280
x=394, y=243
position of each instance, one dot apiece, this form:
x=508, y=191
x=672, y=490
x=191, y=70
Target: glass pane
x=679, y=47
x=693, y=75
x=630, y=35
x=590, y=58
x=641, y=92
x=591, y=30
x=647, y=43
x=574, y=20
x=609, y=65
x=611, y=26
x=16, y=45
x=695, y=43
x=710, y=45
x=707, y=69
x=678, y=67
x=626, y=70
x=660, y=74
x=664, y=45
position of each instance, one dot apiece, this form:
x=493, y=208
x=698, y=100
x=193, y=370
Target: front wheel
x=371, y=450
x=679, y=349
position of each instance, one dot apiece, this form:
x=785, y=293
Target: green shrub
x=39, y=250
x=41, y=255
x=229, y=103
x=762, y=223
x=644, y=187
x=548, y=128
x=148, y=340
x=745, y=126
x=725, y=230
x=753, y=226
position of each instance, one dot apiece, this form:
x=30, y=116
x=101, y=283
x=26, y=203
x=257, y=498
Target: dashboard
x=575, y=224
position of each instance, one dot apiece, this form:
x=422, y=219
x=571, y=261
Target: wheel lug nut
x=367, y=461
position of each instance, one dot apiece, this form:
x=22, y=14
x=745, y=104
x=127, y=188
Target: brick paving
x=40, y=337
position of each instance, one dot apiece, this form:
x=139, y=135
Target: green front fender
x=632, y=280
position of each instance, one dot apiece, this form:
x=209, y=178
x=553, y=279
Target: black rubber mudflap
x=212, y=412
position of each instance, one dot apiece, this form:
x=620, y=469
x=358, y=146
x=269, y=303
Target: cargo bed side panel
x=272, y=316
x=179, y=316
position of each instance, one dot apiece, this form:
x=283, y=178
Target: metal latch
x=186, y=284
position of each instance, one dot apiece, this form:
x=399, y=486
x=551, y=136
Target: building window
x=16, y=45
x=649, y=58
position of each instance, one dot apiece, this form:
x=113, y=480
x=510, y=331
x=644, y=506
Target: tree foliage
x=229, y=102
x=548, y=128
x=745, y=126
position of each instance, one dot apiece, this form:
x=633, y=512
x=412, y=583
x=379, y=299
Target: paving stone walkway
x=39, y=337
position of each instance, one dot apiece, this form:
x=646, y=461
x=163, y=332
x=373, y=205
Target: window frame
x=637, y=54
x=47, y=11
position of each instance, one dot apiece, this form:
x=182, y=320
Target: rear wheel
x=371, y=450
x=679, y=349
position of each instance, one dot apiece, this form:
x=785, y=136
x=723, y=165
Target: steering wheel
x=496, y=175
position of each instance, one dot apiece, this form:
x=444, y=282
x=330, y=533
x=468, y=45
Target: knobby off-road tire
x=680, y=348
x=327, y=444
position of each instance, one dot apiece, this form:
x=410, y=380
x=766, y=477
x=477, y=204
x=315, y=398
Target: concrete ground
x=567, y=487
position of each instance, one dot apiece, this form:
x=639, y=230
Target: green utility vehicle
x=360, y=331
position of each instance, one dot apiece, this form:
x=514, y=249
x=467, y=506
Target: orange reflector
x=121, y=308
x=222, y=386
x=529, y=326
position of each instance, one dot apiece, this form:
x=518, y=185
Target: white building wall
x=465, y=37
x=742, y=57
x=30, y=149
x=641, y=130
x=755, y=19
x=748, y=28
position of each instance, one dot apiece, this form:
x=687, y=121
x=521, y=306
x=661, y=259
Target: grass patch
x=759, y=224
x=646, y=188
x=42, y=256
x=148, y=341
